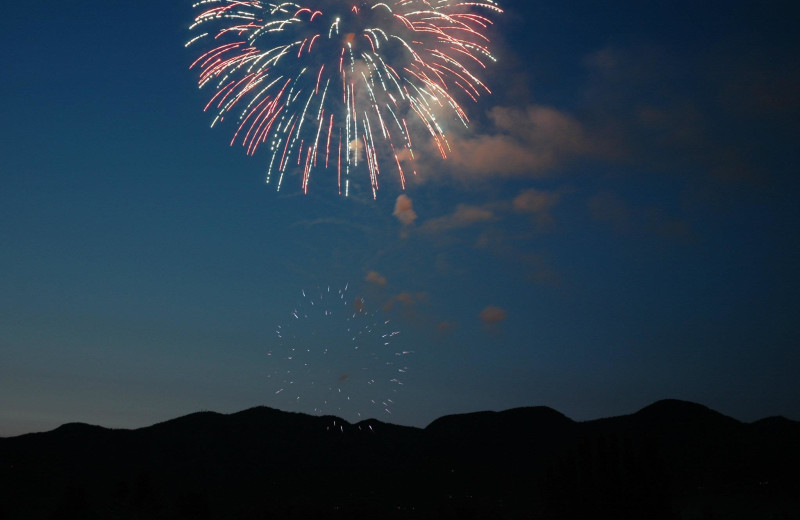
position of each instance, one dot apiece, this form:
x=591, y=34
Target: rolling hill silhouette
x=670, y=460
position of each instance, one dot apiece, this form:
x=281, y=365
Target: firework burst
x=334, y=83
x=334, y=355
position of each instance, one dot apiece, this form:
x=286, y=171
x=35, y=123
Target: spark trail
x=332, y=84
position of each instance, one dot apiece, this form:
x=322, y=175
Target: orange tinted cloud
x=406, y=299
x=525, y=142
x=445, y=327
x=537, y=203
x=492, y=314
x=464, y=216
x=404, y=210
x=375, y=278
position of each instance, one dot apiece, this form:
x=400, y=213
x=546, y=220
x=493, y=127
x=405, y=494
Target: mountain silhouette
x=670, y=460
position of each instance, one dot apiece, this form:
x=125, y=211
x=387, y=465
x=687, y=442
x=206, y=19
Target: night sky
x=618, y=225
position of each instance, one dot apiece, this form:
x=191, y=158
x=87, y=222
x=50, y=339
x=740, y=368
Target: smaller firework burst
x=336, y=356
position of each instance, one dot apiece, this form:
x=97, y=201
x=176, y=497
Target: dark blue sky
x=619, y=224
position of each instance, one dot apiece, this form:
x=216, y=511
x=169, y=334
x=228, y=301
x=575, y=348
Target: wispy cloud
x=611, y=209
x=637, y=97
x=376, y=278
x=406, y=300
x=445, y=327
x=537, y=203
x=526, y=142
x=464, y=216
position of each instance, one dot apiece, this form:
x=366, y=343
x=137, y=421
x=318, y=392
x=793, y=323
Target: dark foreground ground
x=671, y=460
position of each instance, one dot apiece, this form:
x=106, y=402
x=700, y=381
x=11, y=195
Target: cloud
x=762, y=82
x=523, y=142
x=659, y=222
x=445, y=327
x=357, y=147
x=637, y=97
x=406, y=300
x=375, y=278
x=492, y=315
x=610, y=208
x=537, y=203
x=516, y=250
x=404, y=210
x=464, y=216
